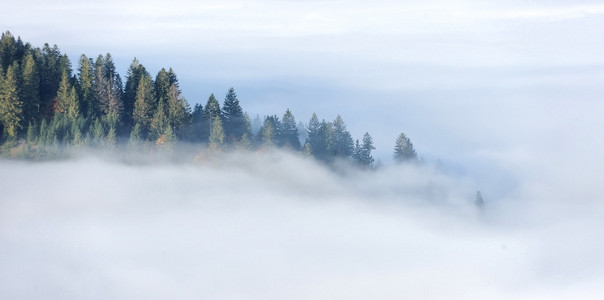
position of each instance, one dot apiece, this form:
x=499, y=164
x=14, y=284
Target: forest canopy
x=46, y=105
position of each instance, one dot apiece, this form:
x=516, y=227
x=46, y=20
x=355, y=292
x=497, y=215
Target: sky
x=505, y=97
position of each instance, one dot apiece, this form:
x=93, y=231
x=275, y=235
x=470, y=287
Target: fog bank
x=276, y=226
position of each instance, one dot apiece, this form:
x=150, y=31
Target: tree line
x=46, y=105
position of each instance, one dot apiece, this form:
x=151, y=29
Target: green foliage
x=37, y=87
x=143, y=105
x=67, y=102
x=403, y=149
x=30, y=89
x=11, y=107
x=362, y=152
x=160, y=121
x=234, y=120
x=88, y=103
x=268, y=133
x=210, y=112
x=217, y=134
x=289, y=131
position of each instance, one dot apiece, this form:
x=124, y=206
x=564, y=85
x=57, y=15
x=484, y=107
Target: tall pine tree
x=403, y=149
x=11, y=107
x=234, y=122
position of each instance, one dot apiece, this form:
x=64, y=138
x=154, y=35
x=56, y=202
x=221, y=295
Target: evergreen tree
x=8, y=50
x=210, y=112
x=363, y=152
x=403, y=149
x=234, y=121
x=245, y=142
x=196, y=130
x=50, y=77
x=30, y=89
x=11, y=107
x=160, y=121
x=108, y=87
x=67, y=102
x=179, y=111
x=268, y=133
x=217, y=134
x=88, y=105
x=343, y=145
x=314, y=139
x=136, y=72
x=289, y=131
x=143, y=105
x=161, y=85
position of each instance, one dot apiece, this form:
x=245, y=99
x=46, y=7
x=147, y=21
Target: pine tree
x=88, y=105
x=179, y=111
x=343, y=144
x=314, y=139
x=245, y=142
x=136, y=73
x=8, y=50
x=234, y=122
x=50, y=76
x=217, y=134
x=289, y=131
x=210, y=112
x=67, y=99
x=11, y=107
x=30, y=89
x=196, y=129
x=143, y=105
x=108, y=87
x=403, y=149
x=363, y=151
x=268, y=133
x=160, y=121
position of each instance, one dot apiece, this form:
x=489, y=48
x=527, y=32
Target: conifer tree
x=8, y=50
x=363, y=151
x=30, y=89
x=143, y=105
x=11, y=107
x=50, y=76
x=196, y=130
x=245, y=142
x=234, y=122
x=210, y=112
x=289, y=131
x=403, y=149
x=67, y=102
x=343, y=144
x=88, y=105
x=179, y=111
x=217, y=134
x=136, y=72
x=160, y=121
x=268, y=133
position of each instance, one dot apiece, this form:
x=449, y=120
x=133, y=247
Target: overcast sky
x=460, y=78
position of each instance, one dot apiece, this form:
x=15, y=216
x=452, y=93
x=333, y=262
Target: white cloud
x=274, y=226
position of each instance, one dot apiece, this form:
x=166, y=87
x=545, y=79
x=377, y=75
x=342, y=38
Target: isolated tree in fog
x=403, y=149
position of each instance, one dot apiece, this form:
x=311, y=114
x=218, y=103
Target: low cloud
x=273, y=225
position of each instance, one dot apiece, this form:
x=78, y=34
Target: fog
x=273, y=225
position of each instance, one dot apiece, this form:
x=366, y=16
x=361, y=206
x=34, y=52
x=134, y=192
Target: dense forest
x=46, y=106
